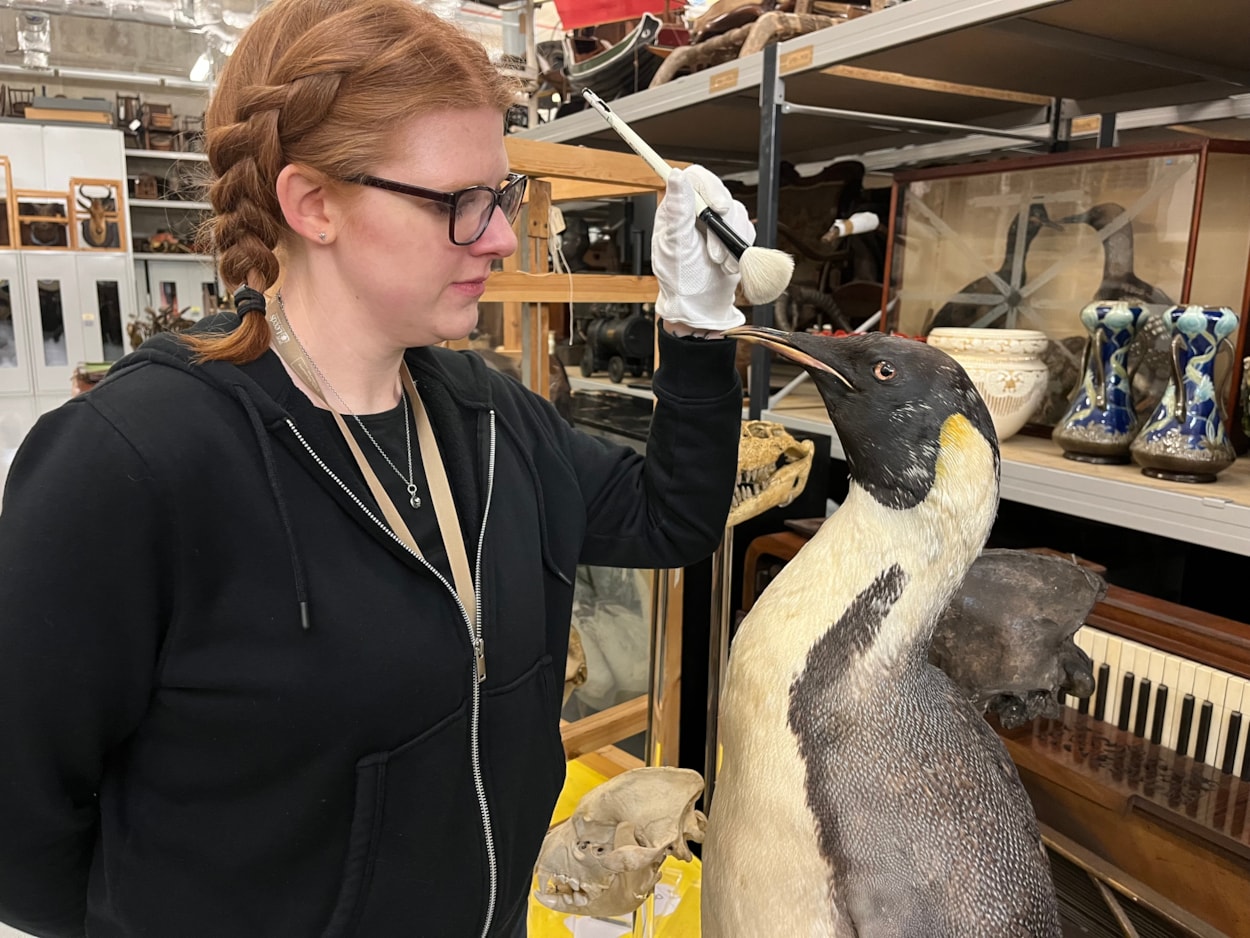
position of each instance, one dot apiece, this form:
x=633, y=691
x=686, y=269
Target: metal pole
x=771, y=98
x=717, y=657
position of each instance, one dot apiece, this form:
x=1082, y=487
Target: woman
x=262, y=673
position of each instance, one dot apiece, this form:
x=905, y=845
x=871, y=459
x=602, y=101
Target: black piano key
x=1100, y=695
x=1187, y=722
x=1204, y=732
x=1063, y=699
x=1143, y=705
x=1245, y=761
x=1161, y=711
x=1126, y=700
x=1230, y=747
x=1082, y=704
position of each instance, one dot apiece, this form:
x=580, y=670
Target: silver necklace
x=410, y=482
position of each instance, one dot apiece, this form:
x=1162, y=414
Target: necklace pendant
x=413, y=498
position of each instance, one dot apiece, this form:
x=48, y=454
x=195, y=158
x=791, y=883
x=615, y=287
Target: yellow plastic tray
x=676, y=913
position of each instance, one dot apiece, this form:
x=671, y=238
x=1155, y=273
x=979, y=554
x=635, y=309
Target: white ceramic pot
x=1005, y=365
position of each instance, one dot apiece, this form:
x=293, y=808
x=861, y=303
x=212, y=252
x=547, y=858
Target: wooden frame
x=8, y=234
x=84, y=220
x=526, y=287
x=24, y=221
x=558, y=173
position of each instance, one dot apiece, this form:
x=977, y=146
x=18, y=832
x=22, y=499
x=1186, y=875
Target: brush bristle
x=765, y=272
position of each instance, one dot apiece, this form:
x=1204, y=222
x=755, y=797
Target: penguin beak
x=784, y=344
x=1079, y=218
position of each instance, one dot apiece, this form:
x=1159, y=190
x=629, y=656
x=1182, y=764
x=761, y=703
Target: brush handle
x=728, y=237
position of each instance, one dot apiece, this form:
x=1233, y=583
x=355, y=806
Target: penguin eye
x=883, y=371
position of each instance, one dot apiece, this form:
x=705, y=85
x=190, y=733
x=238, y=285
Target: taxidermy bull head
x=605, y=859
x=772, y=469
x=1006, y=637
x=96, y=231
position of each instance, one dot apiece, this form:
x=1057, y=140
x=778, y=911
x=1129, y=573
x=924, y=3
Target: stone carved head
x=1006, y=637
x=605, y=859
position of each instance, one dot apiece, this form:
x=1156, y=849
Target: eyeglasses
x=471, y=208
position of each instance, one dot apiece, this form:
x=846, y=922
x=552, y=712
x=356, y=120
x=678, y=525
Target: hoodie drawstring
x=271, y=470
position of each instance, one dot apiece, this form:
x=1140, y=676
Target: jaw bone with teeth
x=605, y=859
x=772, y=469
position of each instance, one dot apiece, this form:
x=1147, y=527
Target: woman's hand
x=697, y=274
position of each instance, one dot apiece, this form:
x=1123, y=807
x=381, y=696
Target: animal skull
x=1006, y=637
x=772, y=469
x=605, y=859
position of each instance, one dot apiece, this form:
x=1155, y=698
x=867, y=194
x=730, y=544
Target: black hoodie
x=233, y=706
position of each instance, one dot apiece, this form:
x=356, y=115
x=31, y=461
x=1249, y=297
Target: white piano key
x=1239, y=764
x=1184, y=685
x=1157, y=663
x=1098, y=652
x=1128, y=665
x=1115, y=647
x=1219, y=687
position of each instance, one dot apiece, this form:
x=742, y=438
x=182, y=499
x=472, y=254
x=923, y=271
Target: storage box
x=1026, y=243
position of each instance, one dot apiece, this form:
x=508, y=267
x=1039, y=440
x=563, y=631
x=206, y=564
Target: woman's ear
x=308, y=204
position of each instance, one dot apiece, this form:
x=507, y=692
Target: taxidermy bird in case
x=861, y=793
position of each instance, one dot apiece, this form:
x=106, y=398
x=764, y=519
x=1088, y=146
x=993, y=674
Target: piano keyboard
x=1179, y=704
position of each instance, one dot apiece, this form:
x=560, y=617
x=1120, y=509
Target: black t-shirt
x=388, y=430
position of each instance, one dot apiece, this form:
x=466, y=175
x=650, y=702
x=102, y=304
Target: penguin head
x=896, y=404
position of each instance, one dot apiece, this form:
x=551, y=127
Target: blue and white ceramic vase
x=1186, y=438
x=1100, y=423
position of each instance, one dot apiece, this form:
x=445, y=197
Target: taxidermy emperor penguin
x=860, y=794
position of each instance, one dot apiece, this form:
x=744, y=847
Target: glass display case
x=1027, y=243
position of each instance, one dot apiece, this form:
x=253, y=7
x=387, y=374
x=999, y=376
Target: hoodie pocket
x=415, y=841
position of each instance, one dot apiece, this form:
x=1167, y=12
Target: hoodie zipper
x=475, y=640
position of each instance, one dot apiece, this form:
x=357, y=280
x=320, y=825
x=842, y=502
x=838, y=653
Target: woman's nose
x=498, y=238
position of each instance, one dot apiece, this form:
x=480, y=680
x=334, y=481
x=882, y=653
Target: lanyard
x=431, y=461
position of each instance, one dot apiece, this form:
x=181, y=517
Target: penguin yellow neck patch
x=957, y=438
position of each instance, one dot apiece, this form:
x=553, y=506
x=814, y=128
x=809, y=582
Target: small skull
x=605, y=859
x=1006, y=637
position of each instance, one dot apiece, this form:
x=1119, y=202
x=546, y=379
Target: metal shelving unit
x=1028, y=67
x=947, y=80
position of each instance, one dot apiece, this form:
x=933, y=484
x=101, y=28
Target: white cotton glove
x=697, y=274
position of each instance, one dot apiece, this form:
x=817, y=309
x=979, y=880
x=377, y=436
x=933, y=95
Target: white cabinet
x=76, y=310
x=15, y=357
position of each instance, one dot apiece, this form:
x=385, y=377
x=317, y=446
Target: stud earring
x=322, y=236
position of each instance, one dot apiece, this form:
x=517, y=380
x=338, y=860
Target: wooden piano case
x=1175, y=823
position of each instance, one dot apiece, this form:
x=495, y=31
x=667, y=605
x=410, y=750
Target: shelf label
x=793, y=61
x=723, y=81
x=1089, y=124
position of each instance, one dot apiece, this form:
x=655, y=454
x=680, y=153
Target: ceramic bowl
x=1006, y=367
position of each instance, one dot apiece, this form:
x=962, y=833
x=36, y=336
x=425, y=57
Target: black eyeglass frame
x=452, y=198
